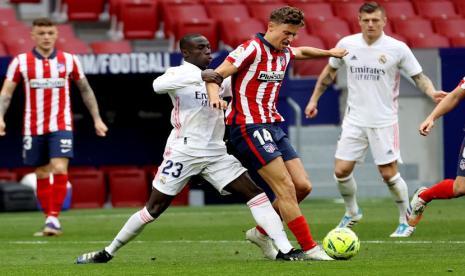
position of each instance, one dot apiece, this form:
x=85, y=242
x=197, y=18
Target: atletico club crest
x=270, y=148
x=61, y=67
x=282, y=60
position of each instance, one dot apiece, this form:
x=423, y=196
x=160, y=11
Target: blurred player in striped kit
x=48, y=127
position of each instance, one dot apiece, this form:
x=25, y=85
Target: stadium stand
x=309, y=67
x=429, y=41
x=346, y=10
x=400, y=10
x=128, y=188
x=236, y=31
x=72, y=45
x=15, y=46
x=178, y=13
x=227, y=11
x=331, y=31
x=261, y=11
x=66, y=31
x=457, y=41
x=111, y=47
x=318, y=10
x=88, y=188
x=7, y=175
x=7, y=17
x=84, y=10
x=139, y=19
x=206, y=27
x=413, y=27
x=436, y=9
x=450, y=27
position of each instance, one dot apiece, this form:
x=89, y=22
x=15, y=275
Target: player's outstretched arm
x=5, y=98
x=326, y=77
x=225, y=70
x=305, y=52
x=447, y=104
x=426, y=86
x=90, y=101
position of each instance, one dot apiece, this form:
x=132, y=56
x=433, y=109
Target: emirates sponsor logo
x=271, y=76
x=47, y=83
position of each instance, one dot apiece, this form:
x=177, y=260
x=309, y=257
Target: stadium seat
x=7, y=176
x=262, y=11
x=79, y=169
x=3, y=51
x=312, y=67
x=331, y=31
x=88, y=188
x=436, y=9
x=84, y=10
x=7, y=17
x=227, y=11
x=457, y=41
x=317, y=10
x=112, y=168
x=399, y=10
x=413, y=27
x=206, y=27
x=220, y=2
x=111, y=47
x=128, y=188
x=176, y=13
x=66, y=31
x=16, y=46
x=295, y=3
x=15, y=32
x=429, y=41
x=450, y=27
x=139, y=19
x=460, y=6
x=236, y=31
x=247, y=2
x=72, y=45
x=346, y=10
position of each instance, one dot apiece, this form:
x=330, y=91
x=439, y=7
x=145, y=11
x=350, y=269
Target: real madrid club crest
x=382, y=59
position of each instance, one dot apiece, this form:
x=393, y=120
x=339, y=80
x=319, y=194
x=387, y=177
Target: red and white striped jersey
x=256, y=84
x=47, y=89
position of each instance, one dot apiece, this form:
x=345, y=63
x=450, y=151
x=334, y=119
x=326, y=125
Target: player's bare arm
x=447, y=104
x=225, y=70
x=325, y=79
x=426, y=86
x=5, y=100
x=305, y=52
x=90, y=101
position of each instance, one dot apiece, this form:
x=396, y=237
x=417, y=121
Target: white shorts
x=354, y=141
x=177, y=168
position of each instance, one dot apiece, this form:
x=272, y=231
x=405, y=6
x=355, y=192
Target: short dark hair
x=371, y=7
x=287, y=15
x=186, y=39
x=43, y=22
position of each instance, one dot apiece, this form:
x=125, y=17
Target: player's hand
x=100, y=128
x=2, y=127
x=209, y=75
x=311, y=110
x=338, y=52
x=426, y=126
x=216, y=102
x=439, y=95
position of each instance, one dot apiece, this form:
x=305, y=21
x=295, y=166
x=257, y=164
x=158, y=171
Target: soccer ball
x=341, y=243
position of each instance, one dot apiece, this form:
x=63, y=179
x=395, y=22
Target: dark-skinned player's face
x=198, y=52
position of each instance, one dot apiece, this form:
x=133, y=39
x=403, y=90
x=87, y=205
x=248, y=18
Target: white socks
x=348, y=189
x=130, y=230
x=54, y=220
x=268, y=219
x=399, y=192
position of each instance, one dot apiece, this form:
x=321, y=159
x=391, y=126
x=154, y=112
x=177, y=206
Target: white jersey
x=198, y=129
x=373, y=76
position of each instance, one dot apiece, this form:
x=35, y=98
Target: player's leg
x=385, y=147
x=264, y=215
x=446, y=189
x=351, y=148
x=157, y=204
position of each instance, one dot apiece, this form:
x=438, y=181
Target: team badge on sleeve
x=237, y=53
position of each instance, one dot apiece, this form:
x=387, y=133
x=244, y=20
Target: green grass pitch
x=210, y=241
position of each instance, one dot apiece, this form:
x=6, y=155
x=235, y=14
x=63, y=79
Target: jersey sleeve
x=13, y=74
x=175, y=78
x=337, y=62
x=77, y=72
x=408, y=62
x=243, y=55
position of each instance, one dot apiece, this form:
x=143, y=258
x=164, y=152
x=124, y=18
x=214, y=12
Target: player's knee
x=154, y=210
x=286, y=192
x=389, y=176
x=303, y=189
x=342, y=172
x=459, y=188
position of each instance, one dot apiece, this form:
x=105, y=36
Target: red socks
x=301, y=231
x=44, y=194
x=58, y=193
x=441, y=190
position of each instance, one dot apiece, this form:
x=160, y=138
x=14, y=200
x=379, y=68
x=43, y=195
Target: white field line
x=217, y=242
